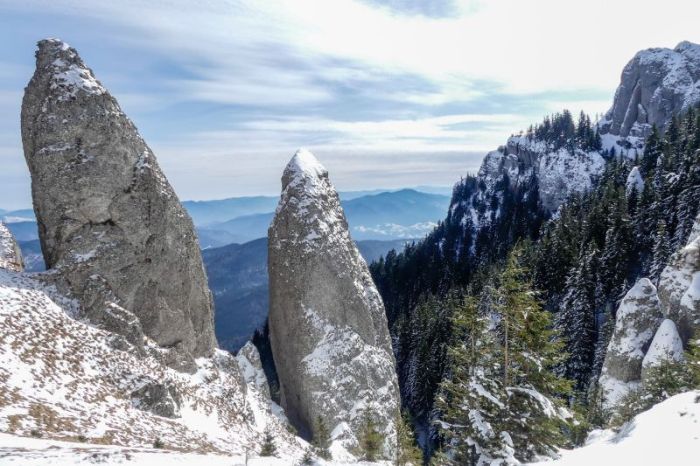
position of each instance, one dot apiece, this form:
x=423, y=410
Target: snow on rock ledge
x=328, y=328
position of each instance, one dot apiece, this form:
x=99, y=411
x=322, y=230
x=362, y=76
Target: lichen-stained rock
x=637, y=320
x=328, y=328
x=110, y=225
x=679, y=286
x=10, y=255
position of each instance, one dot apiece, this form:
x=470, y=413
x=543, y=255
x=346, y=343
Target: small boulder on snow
x=637, y=320
x=666, y=346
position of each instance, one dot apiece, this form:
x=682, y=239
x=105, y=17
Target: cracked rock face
x=328, y=328
x=655, y=85
x=110, y=224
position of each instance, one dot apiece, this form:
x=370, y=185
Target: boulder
x=636, y=322
x=666, y=346
x=111, y=227
x=161, y=399
x=328, y=328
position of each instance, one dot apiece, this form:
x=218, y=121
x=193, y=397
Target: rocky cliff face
x=653, y=324
x=655, y=85
x=109, y=222
x=679, y=286
x=10, y=255
x=328, y=329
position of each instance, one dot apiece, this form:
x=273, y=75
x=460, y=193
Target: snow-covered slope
x=61, y=378
x=667, y=434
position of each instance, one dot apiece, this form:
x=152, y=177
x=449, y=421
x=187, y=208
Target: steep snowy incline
x=64, y=379
x=667, y=434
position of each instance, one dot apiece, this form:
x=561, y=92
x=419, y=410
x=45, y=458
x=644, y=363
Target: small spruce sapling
x=268, y=447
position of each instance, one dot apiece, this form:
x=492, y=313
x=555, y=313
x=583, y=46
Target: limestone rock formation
x=251, y=368
x=637, y=320
x=679, y=286
x=10, y=255
x=655, y=85
x=328, y=328
x=110, y=224
x=665, y=346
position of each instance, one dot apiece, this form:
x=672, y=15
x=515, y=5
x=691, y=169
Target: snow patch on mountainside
x=669, y=433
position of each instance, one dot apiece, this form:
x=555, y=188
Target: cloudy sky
x=387, y=93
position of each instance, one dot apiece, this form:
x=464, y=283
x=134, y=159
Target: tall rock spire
x=328, y=328
x=109, y=222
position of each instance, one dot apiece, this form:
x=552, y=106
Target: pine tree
x=321, y=439
x=576, y=320
x=370, y=438
x=661, y=251
x=535, y=420
x=407, y=452
x=268, y=447
x=472, y=399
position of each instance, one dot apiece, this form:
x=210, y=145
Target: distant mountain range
x=379, y=215
x=406, y=213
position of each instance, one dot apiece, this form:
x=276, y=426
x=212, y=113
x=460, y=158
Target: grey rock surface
x=655, y=85
x=636, y=323
x=112, y=230
x=679, y=286
x=251, y=368
x=328, y=327
x=10, y=254
x=666, y=346
x=159, y=398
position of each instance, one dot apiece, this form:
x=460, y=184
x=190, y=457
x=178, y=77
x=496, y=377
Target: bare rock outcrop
x=10, y=255
x=328, y=327
x=637, y=320
x=679, y=286
x=655, y=85
x=111, y=227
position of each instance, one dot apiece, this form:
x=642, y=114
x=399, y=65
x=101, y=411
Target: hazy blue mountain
x=238, y=280
x=14, y=216
x=216, y=211
x=24, y=231
x=406, y=213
